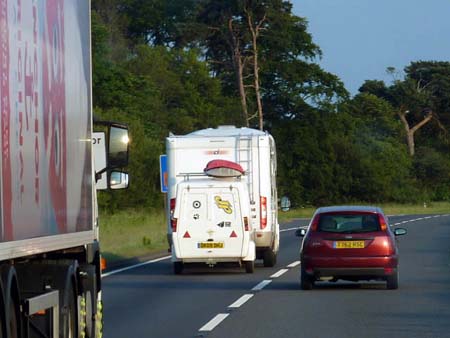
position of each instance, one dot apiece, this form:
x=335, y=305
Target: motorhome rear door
x=210, y=223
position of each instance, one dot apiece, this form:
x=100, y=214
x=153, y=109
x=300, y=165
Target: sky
x=361, y=38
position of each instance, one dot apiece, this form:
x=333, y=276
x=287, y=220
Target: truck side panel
x=46, y=178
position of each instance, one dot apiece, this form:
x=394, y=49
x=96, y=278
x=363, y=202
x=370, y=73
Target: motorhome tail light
x=382, y=221
x=246, y=224
x=263, y=210
x=315, y=223
x=172, y=206
x=173, y=223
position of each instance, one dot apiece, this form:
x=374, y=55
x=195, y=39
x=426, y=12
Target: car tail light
x=388, y=271
x=263, y=210
x=382, y=221
x=315, y=223
x=173, y=221
x=246, y=223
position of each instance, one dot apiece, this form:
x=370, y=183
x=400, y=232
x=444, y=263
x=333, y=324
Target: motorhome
x=255, y=151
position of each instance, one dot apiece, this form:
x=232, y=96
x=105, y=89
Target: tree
x=413, y=98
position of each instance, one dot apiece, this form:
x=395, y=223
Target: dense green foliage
x=170, y=66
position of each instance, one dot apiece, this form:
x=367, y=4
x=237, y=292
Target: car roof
x=350, y=208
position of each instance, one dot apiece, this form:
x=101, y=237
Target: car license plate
x=349, y=244
x=210, y=245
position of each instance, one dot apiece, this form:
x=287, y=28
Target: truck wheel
x=178, y=267
x=2, y=313
x=12, y=322
x=90, y=291
x=249, y=266
x=269, y=258
x=68, y=318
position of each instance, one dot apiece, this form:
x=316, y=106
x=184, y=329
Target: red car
x=350, y=243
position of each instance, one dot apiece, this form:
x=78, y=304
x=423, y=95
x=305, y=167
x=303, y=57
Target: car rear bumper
x=362, y=273
x=350, y=266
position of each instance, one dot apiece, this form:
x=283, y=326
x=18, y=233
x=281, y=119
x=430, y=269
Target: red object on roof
x=223, y=168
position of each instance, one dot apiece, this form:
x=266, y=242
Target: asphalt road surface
x=225, y=302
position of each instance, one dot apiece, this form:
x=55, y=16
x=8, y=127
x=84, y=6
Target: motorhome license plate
x=210, y=245
x=349, y=244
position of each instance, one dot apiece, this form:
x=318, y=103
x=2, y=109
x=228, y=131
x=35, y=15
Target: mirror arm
x=98, y=174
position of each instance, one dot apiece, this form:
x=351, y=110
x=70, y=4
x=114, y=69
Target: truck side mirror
x=118, y=146
x=118, y=180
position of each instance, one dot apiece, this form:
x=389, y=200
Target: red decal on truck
x=55, y=108
x=5, y=121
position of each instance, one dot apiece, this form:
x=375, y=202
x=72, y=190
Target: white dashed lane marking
x=262, y=285
x=241, y=301
x=279, y=273
x=294, y=264
x=214, y=322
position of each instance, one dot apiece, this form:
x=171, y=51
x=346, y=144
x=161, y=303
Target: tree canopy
x=177, y=66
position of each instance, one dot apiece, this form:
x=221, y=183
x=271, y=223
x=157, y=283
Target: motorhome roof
x=226, y=131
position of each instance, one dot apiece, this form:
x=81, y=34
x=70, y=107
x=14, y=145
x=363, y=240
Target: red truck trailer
x=50, y=275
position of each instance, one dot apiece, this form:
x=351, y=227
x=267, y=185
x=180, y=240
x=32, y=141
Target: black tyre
x=306, y=282
x=178, y=267
x=12, y=321
x=269, y=258
x=249, y=266
x=90, y=291
x=392, y=281
x=2, y=313
x=69, y=317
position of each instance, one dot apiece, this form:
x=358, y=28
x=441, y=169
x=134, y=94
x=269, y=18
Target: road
x=149, y=301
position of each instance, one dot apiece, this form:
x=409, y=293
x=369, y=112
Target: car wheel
x=392, y=281
x=306, y=282
x=178, y=267
x=249, y=266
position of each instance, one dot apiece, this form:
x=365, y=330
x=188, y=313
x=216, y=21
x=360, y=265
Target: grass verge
x=133, y=233
x=388, y=208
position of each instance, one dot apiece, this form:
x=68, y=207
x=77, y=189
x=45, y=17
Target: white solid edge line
x=279, y=273
x=294, y=264
x=214, y=322
x=134, y=266
x=262, y=285
x=290, y=229
x=241, y=301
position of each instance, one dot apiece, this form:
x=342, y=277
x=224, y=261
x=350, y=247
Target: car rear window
x=348, y=223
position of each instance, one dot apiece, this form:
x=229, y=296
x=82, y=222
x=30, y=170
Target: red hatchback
x=350, y=243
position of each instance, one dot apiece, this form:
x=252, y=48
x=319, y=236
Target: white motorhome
x=210, y=223
x=255, y=151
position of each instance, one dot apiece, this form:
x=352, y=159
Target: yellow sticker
x=224, y=205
